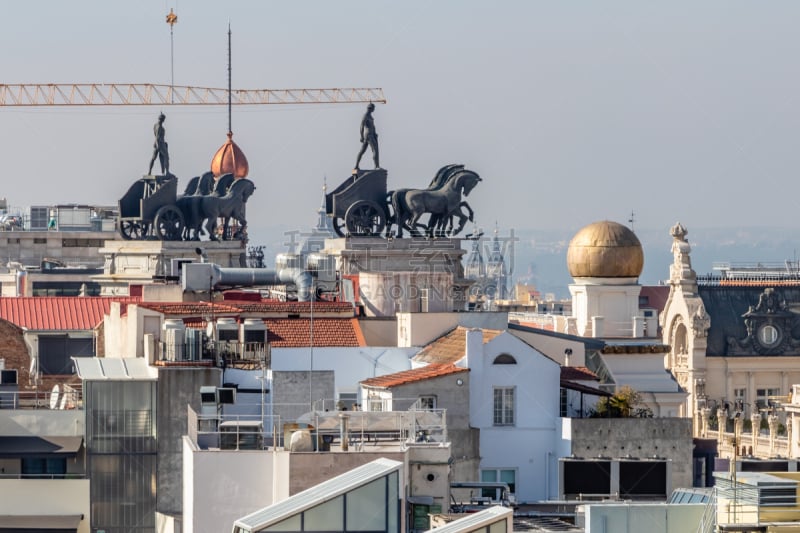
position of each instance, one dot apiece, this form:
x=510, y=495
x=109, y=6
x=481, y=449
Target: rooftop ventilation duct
x=206, y=276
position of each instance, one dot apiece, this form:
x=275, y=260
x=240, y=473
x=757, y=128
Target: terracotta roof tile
x=415, y=374
x=328, y=332
x=190, y=308
x=264, y=307
x=577, y=373
x=63, y=313
x=274, y=306
x=451, y=346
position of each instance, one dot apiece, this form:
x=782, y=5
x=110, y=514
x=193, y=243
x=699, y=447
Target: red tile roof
x=235, y=307
x=56, y=313
x=190, y=308
x=328, y=332
x=577, y=373
x=416, y=374
x=451, y=346
x=299, y=308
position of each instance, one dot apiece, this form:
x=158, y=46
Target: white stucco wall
x=220, y=486
x=529, y=446
x=617, y=303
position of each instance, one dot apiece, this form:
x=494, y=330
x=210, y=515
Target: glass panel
x=489, y=476
x=393, y=507
x=510, y=477
x=290, y=524
x=498, y=527
x=328, y=516
x=366, y=507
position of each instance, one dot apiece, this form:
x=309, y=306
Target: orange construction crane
x=119, y=94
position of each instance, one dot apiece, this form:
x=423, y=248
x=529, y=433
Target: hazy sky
x=571, y=112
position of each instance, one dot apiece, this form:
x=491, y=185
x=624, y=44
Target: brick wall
x=15, y=352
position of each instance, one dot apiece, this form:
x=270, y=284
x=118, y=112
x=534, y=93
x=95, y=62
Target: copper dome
x=230, y=159
x=605, y=250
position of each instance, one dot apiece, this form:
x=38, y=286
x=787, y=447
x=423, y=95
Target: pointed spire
x=230, y=159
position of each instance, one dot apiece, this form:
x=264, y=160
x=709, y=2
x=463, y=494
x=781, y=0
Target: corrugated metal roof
x=62, y=313
x=327, y=490
x=476, y=520
x=114, y=368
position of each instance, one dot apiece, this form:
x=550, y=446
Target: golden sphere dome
x=230, y=159
x=605, y=250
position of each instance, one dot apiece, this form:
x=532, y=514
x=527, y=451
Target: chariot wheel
x=338, y=226
x=131, y=230
x=365, y=218
x=168, y=223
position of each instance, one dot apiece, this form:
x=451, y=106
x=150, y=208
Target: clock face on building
x=769, y=335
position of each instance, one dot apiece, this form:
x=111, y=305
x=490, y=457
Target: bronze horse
x=230, y=206
x=441, y=204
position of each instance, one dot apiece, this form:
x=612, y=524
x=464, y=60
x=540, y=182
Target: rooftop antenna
x=172, y=19
x=230, y=127
x=632, y=220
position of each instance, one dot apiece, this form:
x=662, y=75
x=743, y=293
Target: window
x=504, y=359
x=763, y=395
x=499, y=475
x=51, y=467
x=504, y=406
x=563, y=403
x=426, y=403
x=39, y=240
x=56, y=351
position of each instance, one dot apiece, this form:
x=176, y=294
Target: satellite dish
x=55, y=397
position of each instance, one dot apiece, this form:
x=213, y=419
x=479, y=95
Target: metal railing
x=221, y=352
x=223, y=431
x=70, y=399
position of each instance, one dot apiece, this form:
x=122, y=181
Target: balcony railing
x=71, y=399
x=230, y=353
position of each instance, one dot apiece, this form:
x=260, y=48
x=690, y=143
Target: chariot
x=148, y=210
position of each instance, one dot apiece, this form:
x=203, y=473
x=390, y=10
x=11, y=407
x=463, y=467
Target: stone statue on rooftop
x=160, y=149
x=369, y=137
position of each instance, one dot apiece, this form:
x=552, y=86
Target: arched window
x=504, y=359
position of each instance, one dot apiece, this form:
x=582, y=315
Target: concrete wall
x=37, y=497
x=455, y=399
x=292, y=393
x=177, y=388
x=418, y=329
x=53, y=423
x=27, y=252
x=221, y=486
x=311, y=468
x=428, y=473
x=379, y=331
x=653, y=518
x=670, y=438
x=350, y=365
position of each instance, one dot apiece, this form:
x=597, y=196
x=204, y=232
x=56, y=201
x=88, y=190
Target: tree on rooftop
x=625, y=403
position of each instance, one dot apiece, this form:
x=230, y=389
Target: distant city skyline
x=571, y=114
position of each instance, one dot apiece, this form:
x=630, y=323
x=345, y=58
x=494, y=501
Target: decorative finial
x=172, y=18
